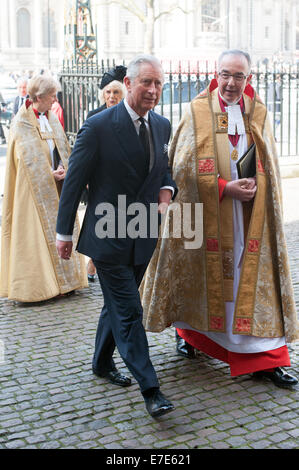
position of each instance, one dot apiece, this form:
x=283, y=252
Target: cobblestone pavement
x=50, y=399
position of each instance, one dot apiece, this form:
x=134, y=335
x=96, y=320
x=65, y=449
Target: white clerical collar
x=134, y=116
x=44, y=123
x=235, y=118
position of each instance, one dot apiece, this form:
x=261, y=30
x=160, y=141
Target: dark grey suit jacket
x=108, y=156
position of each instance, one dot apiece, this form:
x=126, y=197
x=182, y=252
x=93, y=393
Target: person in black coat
x=112, y=92
x=121, y=153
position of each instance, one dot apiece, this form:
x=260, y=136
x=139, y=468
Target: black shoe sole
x=124, y=384
x=162, y=412
x=258, y=376
x=113, y=382
x=186, y=356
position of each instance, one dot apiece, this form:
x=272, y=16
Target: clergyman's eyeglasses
x=238, y=77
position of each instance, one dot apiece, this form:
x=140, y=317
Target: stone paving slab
x=49, y=398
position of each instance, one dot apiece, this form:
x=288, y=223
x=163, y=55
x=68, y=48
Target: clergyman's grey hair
x=235, y=52
x=134, y=65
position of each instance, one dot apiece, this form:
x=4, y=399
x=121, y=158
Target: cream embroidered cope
x=177, y=281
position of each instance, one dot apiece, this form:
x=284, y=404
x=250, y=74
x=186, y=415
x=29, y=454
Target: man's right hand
x=243, y=189
x=64, y=249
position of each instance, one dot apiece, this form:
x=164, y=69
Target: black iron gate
x=277, y=85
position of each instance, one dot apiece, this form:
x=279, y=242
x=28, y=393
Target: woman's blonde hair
x=114, y=83
x=42, y=85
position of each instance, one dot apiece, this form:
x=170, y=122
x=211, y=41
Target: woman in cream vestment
x=37, y=155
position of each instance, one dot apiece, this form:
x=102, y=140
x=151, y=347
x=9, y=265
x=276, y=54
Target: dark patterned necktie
x=144, y=139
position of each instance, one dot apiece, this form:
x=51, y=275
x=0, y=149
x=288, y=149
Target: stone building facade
x=33, y=34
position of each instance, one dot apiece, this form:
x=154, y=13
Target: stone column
x=37, y=24
x=5, y=43
x=12, y=21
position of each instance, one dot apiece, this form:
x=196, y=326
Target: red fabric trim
x=239, y=363
x=212, y=244
x=260, y=167
x=213, y=85
x=37, y=113
x=206, y=165
x=216, y=322
x=221, y=185
x=28, y=103
x=249, y=91
x=57, y=109
x=243, y=325
x=253, y=246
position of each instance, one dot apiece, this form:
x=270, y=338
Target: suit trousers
x=120, y=323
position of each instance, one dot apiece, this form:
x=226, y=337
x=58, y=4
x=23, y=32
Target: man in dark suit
x=121, y=153
x=22, y=94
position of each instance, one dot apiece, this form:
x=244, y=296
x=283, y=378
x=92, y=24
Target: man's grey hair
x=135, y=64
x=235, y=52
x=22, y=80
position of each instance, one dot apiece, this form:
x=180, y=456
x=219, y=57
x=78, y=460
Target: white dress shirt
x=135, y=118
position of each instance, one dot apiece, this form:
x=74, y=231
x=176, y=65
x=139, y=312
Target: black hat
x=118, y=73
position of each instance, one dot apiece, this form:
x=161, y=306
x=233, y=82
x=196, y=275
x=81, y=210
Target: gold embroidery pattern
x=222, y=122
x=228, y=264
x=234, y=155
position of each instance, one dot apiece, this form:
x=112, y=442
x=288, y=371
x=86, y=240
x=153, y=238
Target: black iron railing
x=277, y=85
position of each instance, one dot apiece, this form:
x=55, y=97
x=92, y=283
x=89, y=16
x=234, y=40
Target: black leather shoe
x=157, y=405
x=183, y=348
x=115, y=377
x=279, y=377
